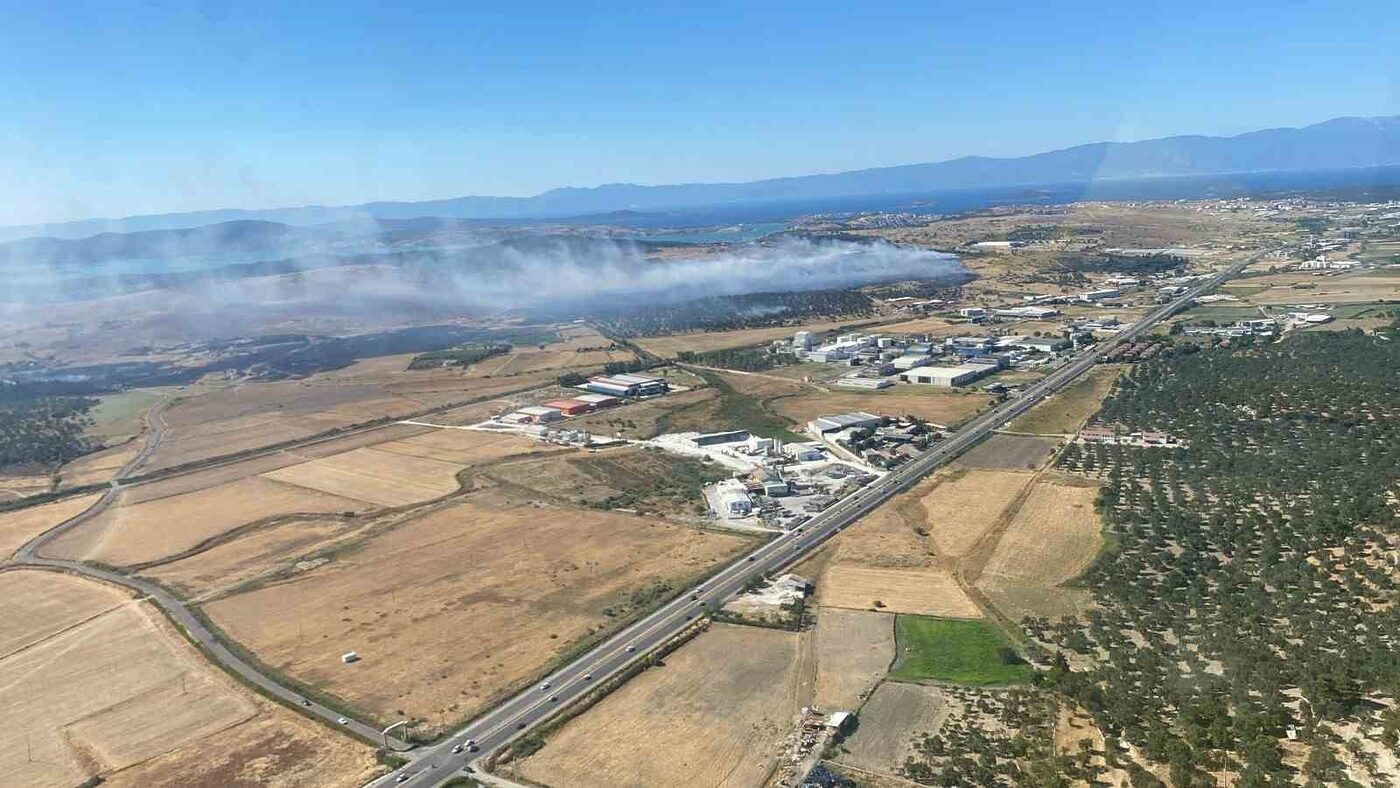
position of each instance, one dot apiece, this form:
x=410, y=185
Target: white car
x=544, y=686
x=343, y=721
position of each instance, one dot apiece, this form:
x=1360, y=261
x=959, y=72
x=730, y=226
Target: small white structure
x=804, y=452
x=873, y=384
x=860, y=419
x=802, y=340
x=1099, y=295
x=972, y=312
x=349, y=657
x=540, y=414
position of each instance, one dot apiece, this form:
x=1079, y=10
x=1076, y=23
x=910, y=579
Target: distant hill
x=243, y=237
x=1335, y=144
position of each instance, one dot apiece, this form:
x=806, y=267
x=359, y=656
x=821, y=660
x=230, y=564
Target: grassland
x=715, y=714
x=1009, y=452
x=101, y=686
x=1066, y=411
x=966, y=652
x=433, y=602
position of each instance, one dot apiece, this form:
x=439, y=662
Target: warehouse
x=570, y=407
x=947, y=376
x=860, y=419
x=599, y=401
x=536, y=414
x=627, y=385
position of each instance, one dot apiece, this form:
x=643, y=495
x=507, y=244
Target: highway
x=527, y=710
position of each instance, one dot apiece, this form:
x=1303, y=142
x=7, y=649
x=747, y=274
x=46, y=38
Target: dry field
x=101, y=685
x=434, y=605
x=668, y=346
x=1066, y=412
x=964, y=506
x=138, y=530
x=463, y=447
x=382, y=478
x=1050, y=540
x=22, y=485
x=889, y=723
x=252, y=415
x=715, y=714
x=854, y=649
x=1009, y=452
x=1359, y=287
x=20, y=526
x=253, y=556
x=940, y=406
x=923, y=591
x=648, y=418
x=98, y=467
x=580, y=347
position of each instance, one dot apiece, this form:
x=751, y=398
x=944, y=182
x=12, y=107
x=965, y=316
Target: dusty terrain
x=433, y=603
x=381, y=478
x=962, y=506
x=699, y=342
x=714, y=715
x=1051, y=539
x=853, y=650
x=1009, y=452
x=940, y=406
x=20, y=526
x=890, y=720
x=104, y=686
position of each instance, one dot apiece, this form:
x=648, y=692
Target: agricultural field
x=853, y=650
x=1065, y=412
x=21, y=525
x=894, y=590
x=1302, y=288
x=962, y=506
x=373, y=476
x=1052, y=537
x=117, y=417
x=965, y=652
x=714, y=714
x=105, y=687
x=433, y=601
x=948, y=407
x=1009, y=452
x=139, y=529
x=651, y=417
x=100, y=466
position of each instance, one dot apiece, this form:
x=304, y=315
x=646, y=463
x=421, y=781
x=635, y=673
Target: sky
x=121, y=107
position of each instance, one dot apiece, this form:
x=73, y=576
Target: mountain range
x=1336, y=144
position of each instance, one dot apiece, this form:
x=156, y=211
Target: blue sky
x=121, y=107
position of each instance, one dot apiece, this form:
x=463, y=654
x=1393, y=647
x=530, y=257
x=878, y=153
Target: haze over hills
x=1339, y=143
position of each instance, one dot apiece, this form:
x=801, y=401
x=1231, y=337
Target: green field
x=743, y=412
x=968, y=652
x=120, y=414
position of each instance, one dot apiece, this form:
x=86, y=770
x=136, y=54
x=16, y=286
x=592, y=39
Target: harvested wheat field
x=715, y=715
x=133, y=533
x=964, y=505
x=253, y=555
x=854, y=649
x=384, y=478
x=699, y=342
x=1052, y=538
x=107, y=688
x=925, y=591
x=463, y=447
x=889, y=723
x=21, y=525
x=99, y=467
x=435, y=604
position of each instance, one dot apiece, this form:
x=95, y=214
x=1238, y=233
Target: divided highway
x=517, y=716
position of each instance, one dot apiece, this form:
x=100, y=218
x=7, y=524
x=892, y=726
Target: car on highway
x=588, y=677
x=457, y=748
x=342, y=720
x=402, y=778
x=553, y=698
x=544, y=686
x=305, y=702
x=631, y=649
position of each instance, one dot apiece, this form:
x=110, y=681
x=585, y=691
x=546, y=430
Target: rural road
x=520, y=714
x=27, y=557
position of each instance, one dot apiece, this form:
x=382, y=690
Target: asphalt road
x=520, y=714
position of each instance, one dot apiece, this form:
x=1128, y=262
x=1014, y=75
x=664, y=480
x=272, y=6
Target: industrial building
x=599, y=401
x=1099, y=295
x=860, y=419
x=972, y=312
x=947, y=376
x=536, y=414
x=570, y=407
x=874, y=384
x=627, y=385
x=1028, y=312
